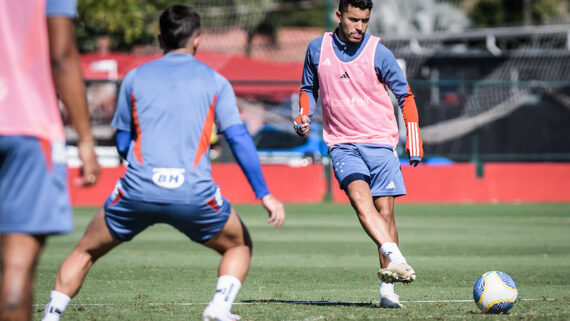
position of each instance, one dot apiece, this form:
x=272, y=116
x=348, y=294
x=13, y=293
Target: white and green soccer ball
x=495, y=292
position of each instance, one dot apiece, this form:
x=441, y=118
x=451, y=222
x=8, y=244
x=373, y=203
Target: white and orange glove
x=301, y=124
x=414, y=144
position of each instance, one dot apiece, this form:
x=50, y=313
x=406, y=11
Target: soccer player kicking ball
x=164, y=117
x=351, y=70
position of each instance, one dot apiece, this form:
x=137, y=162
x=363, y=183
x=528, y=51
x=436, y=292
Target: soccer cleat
x=397, y=272
x=390, y=301
x=213, y=313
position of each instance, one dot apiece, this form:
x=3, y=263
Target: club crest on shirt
x=168, y=177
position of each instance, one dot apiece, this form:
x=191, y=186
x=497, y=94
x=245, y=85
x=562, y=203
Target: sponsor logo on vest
x=168, y=177
x=327, y=62
x=345, y=76
x=354, y=101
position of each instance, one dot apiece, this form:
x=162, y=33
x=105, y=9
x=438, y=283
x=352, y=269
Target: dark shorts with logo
x=199, y=221
x=378, y=165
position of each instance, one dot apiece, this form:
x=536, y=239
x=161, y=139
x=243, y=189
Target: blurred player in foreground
x=34, y=200
x=164, y=118
x=351, y=70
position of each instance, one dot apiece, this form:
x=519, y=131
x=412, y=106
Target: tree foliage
x=126, y=22
x=492, y=13
x=135, y=22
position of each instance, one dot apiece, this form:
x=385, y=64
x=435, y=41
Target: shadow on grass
x=322, y=303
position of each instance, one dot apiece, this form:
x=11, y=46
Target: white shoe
x=397, y=272
x=390, y=301
x=213, y=313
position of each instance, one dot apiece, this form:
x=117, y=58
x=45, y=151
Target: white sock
x=386, y=289
x=226, y=291
x=56, y=305
x=392, y=252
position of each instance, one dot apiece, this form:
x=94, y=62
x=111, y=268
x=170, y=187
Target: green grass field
x=322, y=254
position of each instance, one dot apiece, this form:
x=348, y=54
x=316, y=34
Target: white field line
x=295, y=302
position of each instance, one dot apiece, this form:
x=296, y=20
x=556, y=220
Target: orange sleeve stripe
x=410, y=110
x=137, y=148
x=304, y=103
x=204, y=142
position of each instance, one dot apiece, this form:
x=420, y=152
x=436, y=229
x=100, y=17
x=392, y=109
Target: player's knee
x=246, y=237
x=243, y=241
x=84, y=256
x=248, y=242
x=387, y=215
x=18, y=270
x=358, y=198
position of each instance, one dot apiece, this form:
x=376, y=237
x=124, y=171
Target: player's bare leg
x=18, y=258
x=373, y=223
x=395, y=269
x=234, y=243
x=385, y=206
x=96, y=242
x=377, y=225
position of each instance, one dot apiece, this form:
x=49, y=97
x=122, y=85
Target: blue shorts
x=200, y=221
x=33, y=186
x=378, y=165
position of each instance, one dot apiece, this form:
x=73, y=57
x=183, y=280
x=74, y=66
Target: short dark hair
x=177, y=24
x=362, y=4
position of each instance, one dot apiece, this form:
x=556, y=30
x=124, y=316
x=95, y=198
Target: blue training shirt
x=63, y=8
x=169, y=106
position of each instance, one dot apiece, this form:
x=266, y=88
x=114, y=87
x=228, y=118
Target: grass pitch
x=322, y=266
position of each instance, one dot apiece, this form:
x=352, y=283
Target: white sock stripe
x=56, y=305
x=227, y=289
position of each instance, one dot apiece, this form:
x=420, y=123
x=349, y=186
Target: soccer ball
x=495, y=292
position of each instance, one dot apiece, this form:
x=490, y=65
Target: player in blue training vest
x=164, y=118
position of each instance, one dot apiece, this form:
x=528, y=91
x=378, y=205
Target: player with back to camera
x=34, y=201
x=351, y=70
x=164, y=116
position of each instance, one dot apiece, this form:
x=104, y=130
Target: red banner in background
x=250, y=77
x=304, y=184
x=457, y=183
x=501, y=183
